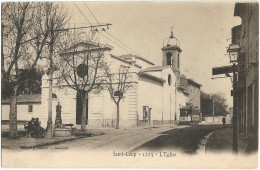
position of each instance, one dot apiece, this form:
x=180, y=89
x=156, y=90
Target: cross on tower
x=171, y=33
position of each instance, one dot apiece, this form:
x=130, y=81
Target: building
x=247, y=36
x=28, y=106
x=156, y=95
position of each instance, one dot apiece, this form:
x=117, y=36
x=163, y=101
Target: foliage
x=29, y=83
x=23, y=47
x=220, y=106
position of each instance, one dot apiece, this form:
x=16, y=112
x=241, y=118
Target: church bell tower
x=171, y=53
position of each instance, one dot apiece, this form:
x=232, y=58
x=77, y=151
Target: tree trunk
x=84, y=115
x=117, y=116
x=13, y=115
x=49, y=133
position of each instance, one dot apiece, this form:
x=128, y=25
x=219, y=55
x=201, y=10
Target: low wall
x=217, y=119
x=111, y=123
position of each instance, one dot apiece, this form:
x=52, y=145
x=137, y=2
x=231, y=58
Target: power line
x=112, y=35
x=107, y=33
x=123, y=44
x=113, y=42
x=92, y=26
x=82, y=14
x=91, y=12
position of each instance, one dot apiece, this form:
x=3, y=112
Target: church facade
x=155, y=97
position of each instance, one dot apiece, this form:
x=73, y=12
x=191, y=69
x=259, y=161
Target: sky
x=202, y=28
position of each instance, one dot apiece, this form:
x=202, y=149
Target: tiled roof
x=124, y=60
x=151, y=77
x=129, y=56
x=154, y=68
x=194, y=82
x=33, y=98
x=86, y=46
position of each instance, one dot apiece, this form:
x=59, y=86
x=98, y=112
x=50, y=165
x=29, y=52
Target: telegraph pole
x=213, y=109
x=49, y=133
x=233, y=51
x=235, y=151
x=175, y=115
x=170, y=108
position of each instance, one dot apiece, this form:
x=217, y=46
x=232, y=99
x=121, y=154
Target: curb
x=203, y=142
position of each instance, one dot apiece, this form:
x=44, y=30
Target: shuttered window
x=30, y=108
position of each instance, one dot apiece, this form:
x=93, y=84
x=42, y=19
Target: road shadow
x=183, y=140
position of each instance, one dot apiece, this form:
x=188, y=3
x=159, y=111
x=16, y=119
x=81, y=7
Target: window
x=30, y=108
x=178, y=60
x=145, y=111
x=54, y=96
x=169, y=58
x=169, y=79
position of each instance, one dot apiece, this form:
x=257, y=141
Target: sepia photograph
x=129, y=84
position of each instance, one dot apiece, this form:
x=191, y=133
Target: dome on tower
x=171, y=41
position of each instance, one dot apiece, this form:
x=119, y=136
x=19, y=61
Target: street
x=183, y=139
x=170, y=143
x=112, y=139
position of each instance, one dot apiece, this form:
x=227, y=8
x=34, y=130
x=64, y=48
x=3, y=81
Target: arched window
x=169, y=58
x=54, y=96
x=169, y=79
x=178, y=60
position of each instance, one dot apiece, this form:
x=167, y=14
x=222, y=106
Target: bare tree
x=117, y=85
x=22, y=46
x=81, y=66
x=17, y=20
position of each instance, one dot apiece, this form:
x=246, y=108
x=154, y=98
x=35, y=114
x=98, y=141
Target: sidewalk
x=222, y=141
x=29, y=143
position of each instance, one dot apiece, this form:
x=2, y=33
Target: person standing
x=224, y=121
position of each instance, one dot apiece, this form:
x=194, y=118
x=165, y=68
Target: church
x=157, y=94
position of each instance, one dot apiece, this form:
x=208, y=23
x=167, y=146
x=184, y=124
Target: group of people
x=34, y=126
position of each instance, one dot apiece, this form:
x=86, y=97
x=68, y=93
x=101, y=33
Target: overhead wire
x=82, y=14
x=105, y=31
x=111, y=34
x=123, y=44
x=113, y=42
x=91, y=12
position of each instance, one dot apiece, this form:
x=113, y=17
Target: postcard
x=122, y=84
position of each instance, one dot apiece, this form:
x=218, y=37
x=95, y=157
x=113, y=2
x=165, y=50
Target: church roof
x=190, y=81
x=152, y=77
x=124, y=60
x=23, y=99
x=129, y=56
x=154, y=68
x=86, y=46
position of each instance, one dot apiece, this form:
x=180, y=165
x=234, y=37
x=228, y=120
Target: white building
x=155, y=98
x=28, y=106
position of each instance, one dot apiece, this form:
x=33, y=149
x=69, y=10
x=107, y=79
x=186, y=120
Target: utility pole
x=213, y=108
x=235, y=151
x=170, y=108
x=175, y=116
x=233, y=51
x=49, y=133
